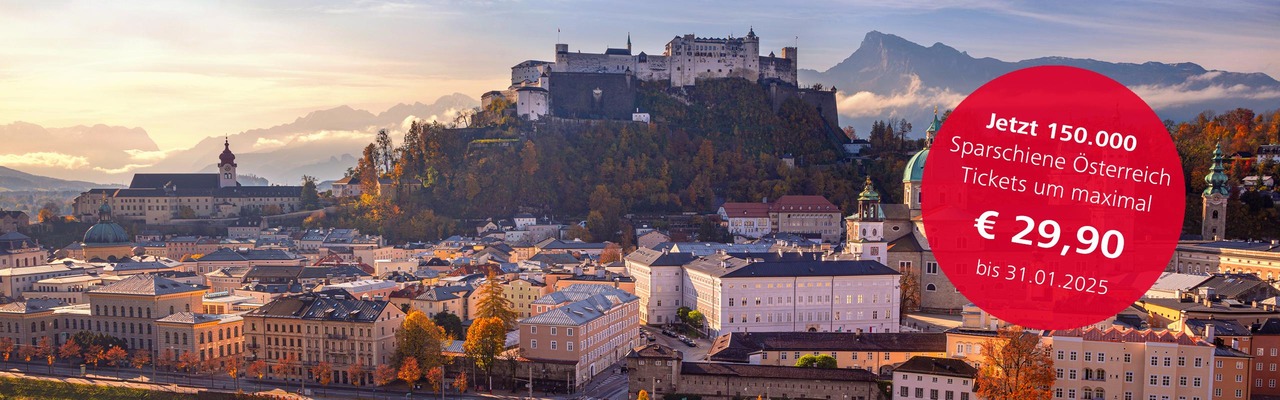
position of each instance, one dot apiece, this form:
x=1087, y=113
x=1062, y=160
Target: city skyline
x=193, y=70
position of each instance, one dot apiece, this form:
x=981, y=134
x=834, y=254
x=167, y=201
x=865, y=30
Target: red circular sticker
x=1053, y=197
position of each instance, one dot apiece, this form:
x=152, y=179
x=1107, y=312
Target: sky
x=192, y=69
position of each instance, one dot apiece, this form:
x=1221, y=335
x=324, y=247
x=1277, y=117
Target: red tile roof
x=803, y=204
x=746, y=210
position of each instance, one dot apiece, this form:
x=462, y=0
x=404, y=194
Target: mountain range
x=886, y=77
x=322, y=144
x=891, y=77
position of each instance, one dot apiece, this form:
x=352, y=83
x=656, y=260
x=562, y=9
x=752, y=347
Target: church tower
x=914, y=173
x=1214, y=213
x=227, y=166
x=864, y=230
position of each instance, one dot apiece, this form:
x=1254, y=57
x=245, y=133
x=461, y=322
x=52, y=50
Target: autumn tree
x=140, y=358
x=1015, y=366
x=421, y=339
x=356, y=372
x=285, y=365
x=48, y=212
x=69, y=350
x=257, y=369
x=189, y=361
x=367, y=170
x=410, y=372
x=166, y=360
x=435, y=378
x=612, y=253
x=94, y=354
x=910, y=283
x=643, y=395
x=493, y=304
x=460, y=382
x=323, y=371
x=232, y=367
x=6, y=347
x=383, y=375
x=45, y=350
x=486, y=339
x=116, y=357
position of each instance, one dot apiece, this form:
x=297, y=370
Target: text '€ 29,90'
x=1052, y=197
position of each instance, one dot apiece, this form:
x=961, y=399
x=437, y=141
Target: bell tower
x=864, y=230
x=1214, y=212
x=227, y=166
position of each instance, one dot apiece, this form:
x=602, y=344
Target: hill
x=721, y=141
x=12, y=180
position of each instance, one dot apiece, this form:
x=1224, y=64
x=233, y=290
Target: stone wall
x=593, y=95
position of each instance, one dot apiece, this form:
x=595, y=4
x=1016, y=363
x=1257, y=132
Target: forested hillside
x=719, y=142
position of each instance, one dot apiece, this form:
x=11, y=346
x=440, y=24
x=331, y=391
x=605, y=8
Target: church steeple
x=628, y=42
x=933, y=128
x=1213, y=213
x=227, y=166
x=1216, y=178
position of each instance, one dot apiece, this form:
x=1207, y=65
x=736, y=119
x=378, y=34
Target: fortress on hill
x=603, y=85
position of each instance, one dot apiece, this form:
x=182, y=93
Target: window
x=1128, y=376
x=930, y=288
x=533, y=343
x=931, y=268
x=553, y=345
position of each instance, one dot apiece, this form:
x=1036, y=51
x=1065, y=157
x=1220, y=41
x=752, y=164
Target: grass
x=32, y=389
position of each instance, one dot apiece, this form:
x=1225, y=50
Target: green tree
x=450, y=323
x=310, y=197
x=825, y=361
x=695, y=318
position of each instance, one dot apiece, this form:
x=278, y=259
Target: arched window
x=1102, y=376
x=1215, y=214
x=1099, y=394
x=930, y=288
x=1088, y=376
x=1088, y=393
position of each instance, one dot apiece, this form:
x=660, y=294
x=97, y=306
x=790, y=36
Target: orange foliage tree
x=1015, y=366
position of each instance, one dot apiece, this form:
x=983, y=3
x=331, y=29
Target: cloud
x=147, y=155
x=327, y=135
x=1198, y=88
x=264, y=142
x=121, y=170
x=868, y=104
x=44, y=159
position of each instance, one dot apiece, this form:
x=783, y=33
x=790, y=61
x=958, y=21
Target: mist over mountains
x=322, y=144
x=891, y=77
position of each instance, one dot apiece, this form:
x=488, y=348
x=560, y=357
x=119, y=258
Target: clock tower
x=864, y=231
x=1214, y=213
x=227, y=166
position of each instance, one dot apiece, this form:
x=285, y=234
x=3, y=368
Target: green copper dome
x=105, y=231
x=1216, y=179
x=915, y=166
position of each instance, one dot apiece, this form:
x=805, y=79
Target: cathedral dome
x=227, y=157
x=915, y=167
x=105, y=232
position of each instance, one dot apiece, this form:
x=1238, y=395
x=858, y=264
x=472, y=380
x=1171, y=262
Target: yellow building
x=128, y=309
x=211, y=336
x=316, y=328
